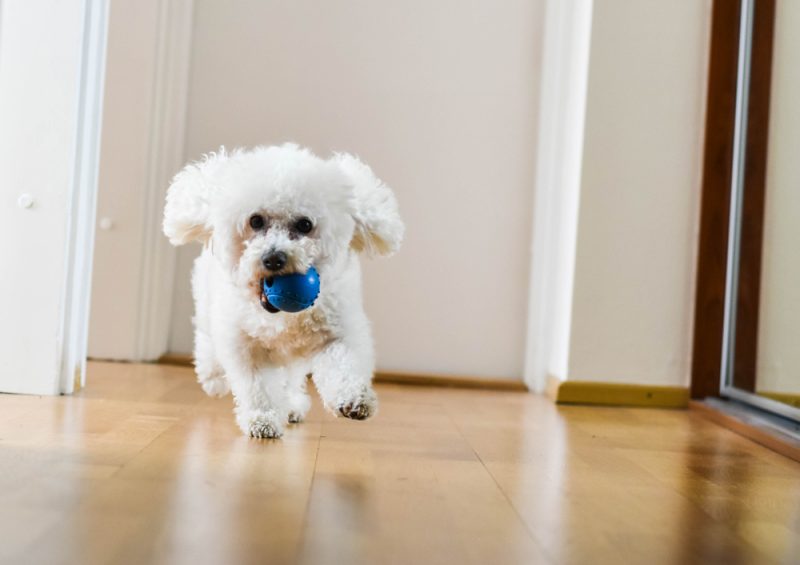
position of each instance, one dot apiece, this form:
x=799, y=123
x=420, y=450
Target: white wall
x=630, y=316
x=779, y=314
x=441, y=99
x=639, y=205
x=181, y=339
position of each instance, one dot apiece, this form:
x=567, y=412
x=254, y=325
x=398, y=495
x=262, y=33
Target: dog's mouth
x=263, y=297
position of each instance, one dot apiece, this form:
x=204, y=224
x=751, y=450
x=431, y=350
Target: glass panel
x=761, y=361
x=778, y=358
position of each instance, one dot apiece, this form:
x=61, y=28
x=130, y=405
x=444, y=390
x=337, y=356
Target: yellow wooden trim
x=76, y=379
x=614, y=394
x=785, y=397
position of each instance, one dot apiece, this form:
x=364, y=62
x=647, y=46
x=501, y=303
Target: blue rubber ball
x=293, y=293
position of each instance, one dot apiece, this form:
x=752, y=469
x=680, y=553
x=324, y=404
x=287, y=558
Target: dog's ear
x=379, y=229
x=186, y=213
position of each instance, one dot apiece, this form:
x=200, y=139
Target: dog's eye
x=303, y=225
x=257, y=221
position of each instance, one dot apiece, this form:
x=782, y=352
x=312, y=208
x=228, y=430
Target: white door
x=51, y=67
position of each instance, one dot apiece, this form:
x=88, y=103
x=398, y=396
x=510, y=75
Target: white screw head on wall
x=25, y=201
x=106, y=224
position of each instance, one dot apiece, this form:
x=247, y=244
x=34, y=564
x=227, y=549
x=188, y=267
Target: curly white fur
x=264, y=358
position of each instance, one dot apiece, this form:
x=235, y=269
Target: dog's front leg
x=258, y=386
x=260, y=400
x=342, y=373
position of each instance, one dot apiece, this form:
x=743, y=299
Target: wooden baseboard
x=179, y=359
x=449, y=381
x=614, y=394
x=400, y=378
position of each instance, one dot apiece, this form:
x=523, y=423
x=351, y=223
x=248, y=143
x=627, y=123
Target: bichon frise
x=267, y=212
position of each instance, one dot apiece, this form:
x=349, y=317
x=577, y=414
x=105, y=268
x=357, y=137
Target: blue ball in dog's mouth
x=290, y=293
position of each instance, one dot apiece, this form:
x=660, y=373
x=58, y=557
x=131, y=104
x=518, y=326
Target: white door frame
x=562, y=111
x=74, y=332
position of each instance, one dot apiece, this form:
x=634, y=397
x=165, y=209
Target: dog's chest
x=287, y=336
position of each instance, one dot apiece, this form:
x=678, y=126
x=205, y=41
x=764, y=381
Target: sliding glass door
x=761, y=330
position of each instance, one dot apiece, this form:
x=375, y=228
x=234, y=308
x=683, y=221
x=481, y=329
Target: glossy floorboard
x=142, y=468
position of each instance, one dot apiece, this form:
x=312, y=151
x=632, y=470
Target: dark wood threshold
x=401, y=378
x=709, y=306
x=773, y=432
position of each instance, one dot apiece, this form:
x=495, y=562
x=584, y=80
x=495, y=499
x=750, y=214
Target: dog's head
x=278, y=210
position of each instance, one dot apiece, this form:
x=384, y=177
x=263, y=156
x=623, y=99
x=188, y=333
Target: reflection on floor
x=141, y=467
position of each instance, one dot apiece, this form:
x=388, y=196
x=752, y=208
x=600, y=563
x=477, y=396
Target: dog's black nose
x=274, y=261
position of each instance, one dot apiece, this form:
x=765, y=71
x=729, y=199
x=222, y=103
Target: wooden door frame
x=712, y=262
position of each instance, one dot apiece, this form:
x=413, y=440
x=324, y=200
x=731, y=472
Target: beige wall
x=441, y=99
x=779, y=318
x=631, y=318
x=180, y=334
x=632, y=311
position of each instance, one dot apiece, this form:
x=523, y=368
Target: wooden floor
x=142, y=468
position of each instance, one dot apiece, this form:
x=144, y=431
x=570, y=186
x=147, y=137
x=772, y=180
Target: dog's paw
x=263, y=429
x=216, y=386
x=299, y=403
x=363, y=406
x=263, y=426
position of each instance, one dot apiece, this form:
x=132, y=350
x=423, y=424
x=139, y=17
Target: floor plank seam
x=141, y=450
x=302, y=539
x=508, y=500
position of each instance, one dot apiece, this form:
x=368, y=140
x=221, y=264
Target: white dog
x=272, y=211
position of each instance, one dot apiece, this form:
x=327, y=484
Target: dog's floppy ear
x=186, y=213
x=379, y=229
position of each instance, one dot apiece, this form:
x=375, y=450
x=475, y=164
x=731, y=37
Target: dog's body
x=268, y=212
